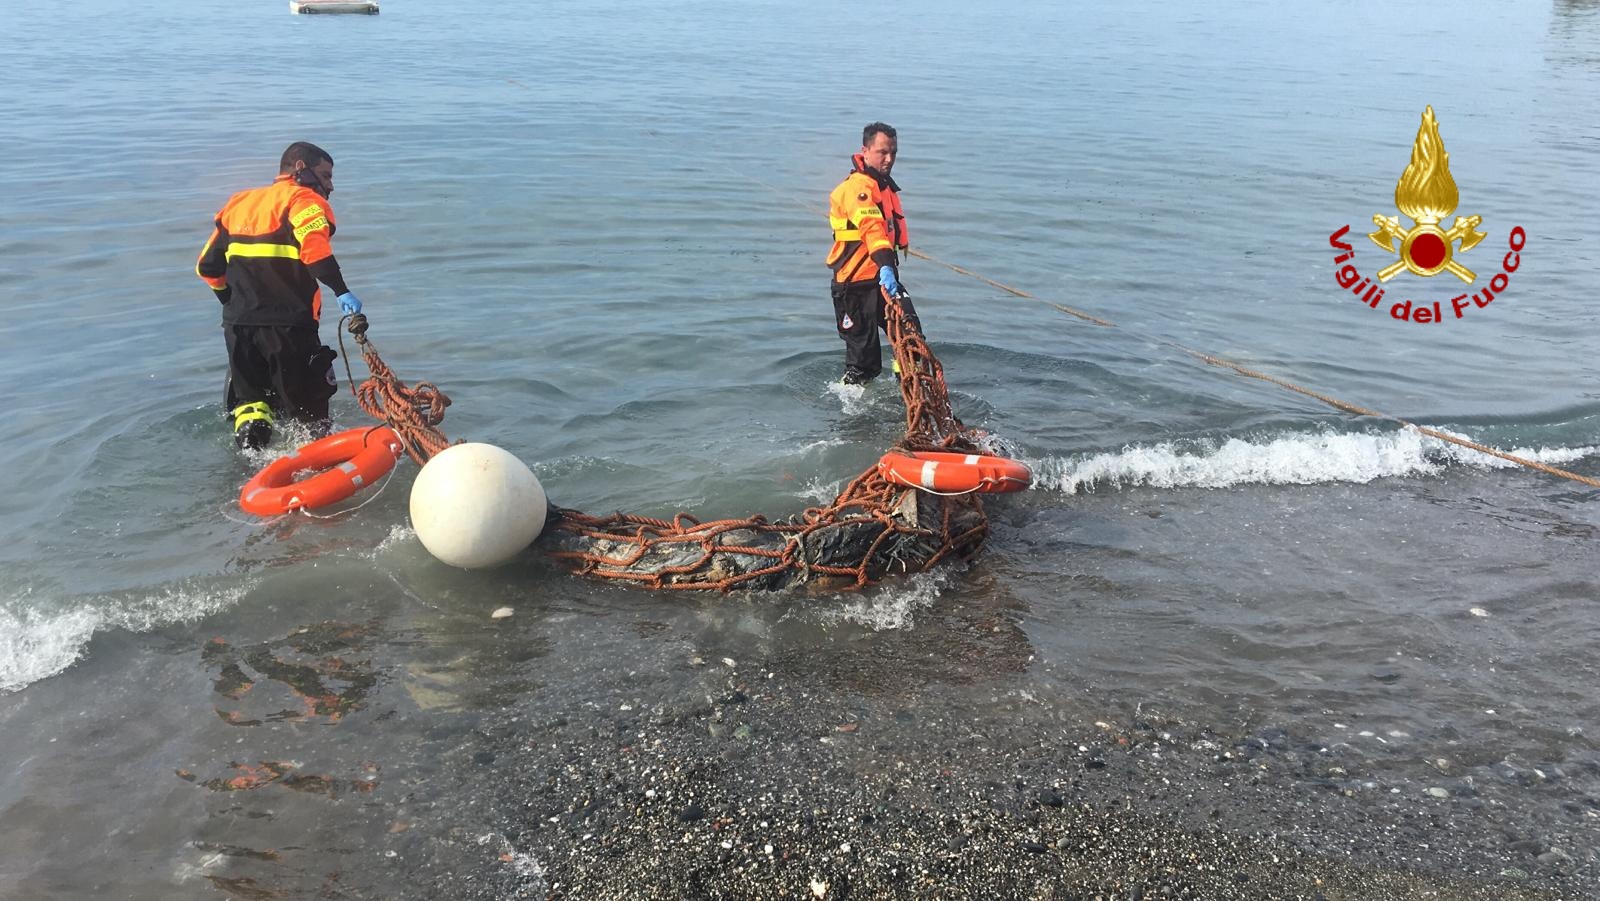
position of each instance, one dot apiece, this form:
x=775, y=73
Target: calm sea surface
x=599, y=228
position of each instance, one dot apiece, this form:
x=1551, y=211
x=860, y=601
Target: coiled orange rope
x=413, y=412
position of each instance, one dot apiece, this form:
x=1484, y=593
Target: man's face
x=322, y=174
x=879, y=153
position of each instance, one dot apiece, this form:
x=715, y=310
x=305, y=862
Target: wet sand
x=555, y=754
x=758, y=782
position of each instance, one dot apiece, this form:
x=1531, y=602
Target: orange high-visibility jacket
x=868, y=225
x=261, y=255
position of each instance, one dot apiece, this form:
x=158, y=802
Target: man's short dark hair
x=304, y=152
x=876, y=128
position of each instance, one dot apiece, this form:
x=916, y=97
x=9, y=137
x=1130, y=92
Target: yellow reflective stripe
x=263, y=250
x=250, y=412
x=311, y=211
x=300, y=232
x=844, y=235
x=868, y=212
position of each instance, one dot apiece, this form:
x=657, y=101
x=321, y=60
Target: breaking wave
x=1294, y=459
x=36, y=645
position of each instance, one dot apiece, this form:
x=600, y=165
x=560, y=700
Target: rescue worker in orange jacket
x=869, y=232
x=265, y=256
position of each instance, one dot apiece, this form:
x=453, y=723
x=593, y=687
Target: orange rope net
x=871, y=530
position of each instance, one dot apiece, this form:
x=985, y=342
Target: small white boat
x=307, y=7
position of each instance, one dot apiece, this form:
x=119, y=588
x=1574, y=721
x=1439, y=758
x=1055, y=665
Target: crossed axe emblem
x=1425, y=248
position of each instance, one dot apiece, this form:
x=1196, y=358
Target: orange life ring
x=348, y=461
x=945, y=473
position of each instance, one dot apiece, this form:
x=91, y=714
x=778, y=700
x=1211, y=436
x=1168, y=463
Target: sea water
x=599, y=228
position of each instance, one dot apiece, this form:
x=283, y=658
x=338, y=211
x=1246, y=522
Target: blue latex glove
x=891, y=285
x=349, y=304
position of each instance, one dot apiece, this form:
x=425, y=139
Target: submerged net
x=873, y=529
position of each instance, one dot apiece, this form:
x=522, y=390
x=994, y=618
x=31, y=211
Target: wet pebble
x=1553, y=857
x=1532, y=847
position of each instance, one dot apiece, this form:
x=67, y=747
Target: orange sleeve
x=212, y=266
x=311, y=217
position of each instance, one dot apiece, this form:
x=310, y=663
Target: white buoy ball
x=475, y=505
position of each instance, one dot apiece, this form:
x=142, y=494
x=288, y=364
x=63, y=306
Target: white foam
x=895, y=606
x=1294, y=459
x=525, y=865
x=35, y=645
x=820, y=491
x=820, y=444
x=852, y=398
x=398, y=534
x=288, y=436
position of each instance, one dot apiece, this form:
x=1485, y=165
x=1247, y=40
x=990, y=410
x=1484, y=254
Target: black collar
x=883, y=180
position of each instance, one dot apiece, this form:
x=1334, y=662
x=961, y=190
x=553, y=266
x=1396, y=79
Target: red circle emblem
x=1428, y=251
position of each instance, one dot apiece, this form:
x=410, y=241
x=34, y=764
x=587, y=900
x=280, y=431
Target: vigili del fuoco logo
x=1427, y=194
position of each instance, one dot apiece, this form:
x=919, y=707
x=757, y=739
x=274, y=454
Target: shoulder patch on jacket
x=309, y=212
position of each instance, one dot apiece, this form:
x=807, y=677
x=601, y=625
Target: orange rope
x=414, y=413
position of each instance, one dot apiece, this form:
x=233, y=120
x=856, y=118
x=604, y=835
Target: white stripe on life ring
x=971, y=459
x=929, y=467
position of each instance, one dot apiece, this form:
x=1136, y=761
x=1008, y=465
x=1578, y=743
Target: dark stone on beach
x=691, y=813
x=1272, y=737
x=1554, y=857
x=483, y=757
x=1532, y=847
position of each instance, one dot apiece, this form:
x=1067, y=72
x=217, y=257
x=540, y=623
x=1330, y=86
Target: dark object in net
x=871, y=530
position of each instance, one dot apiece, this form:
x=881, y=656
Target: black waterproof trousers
x=859, y=314
x=286, y=367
